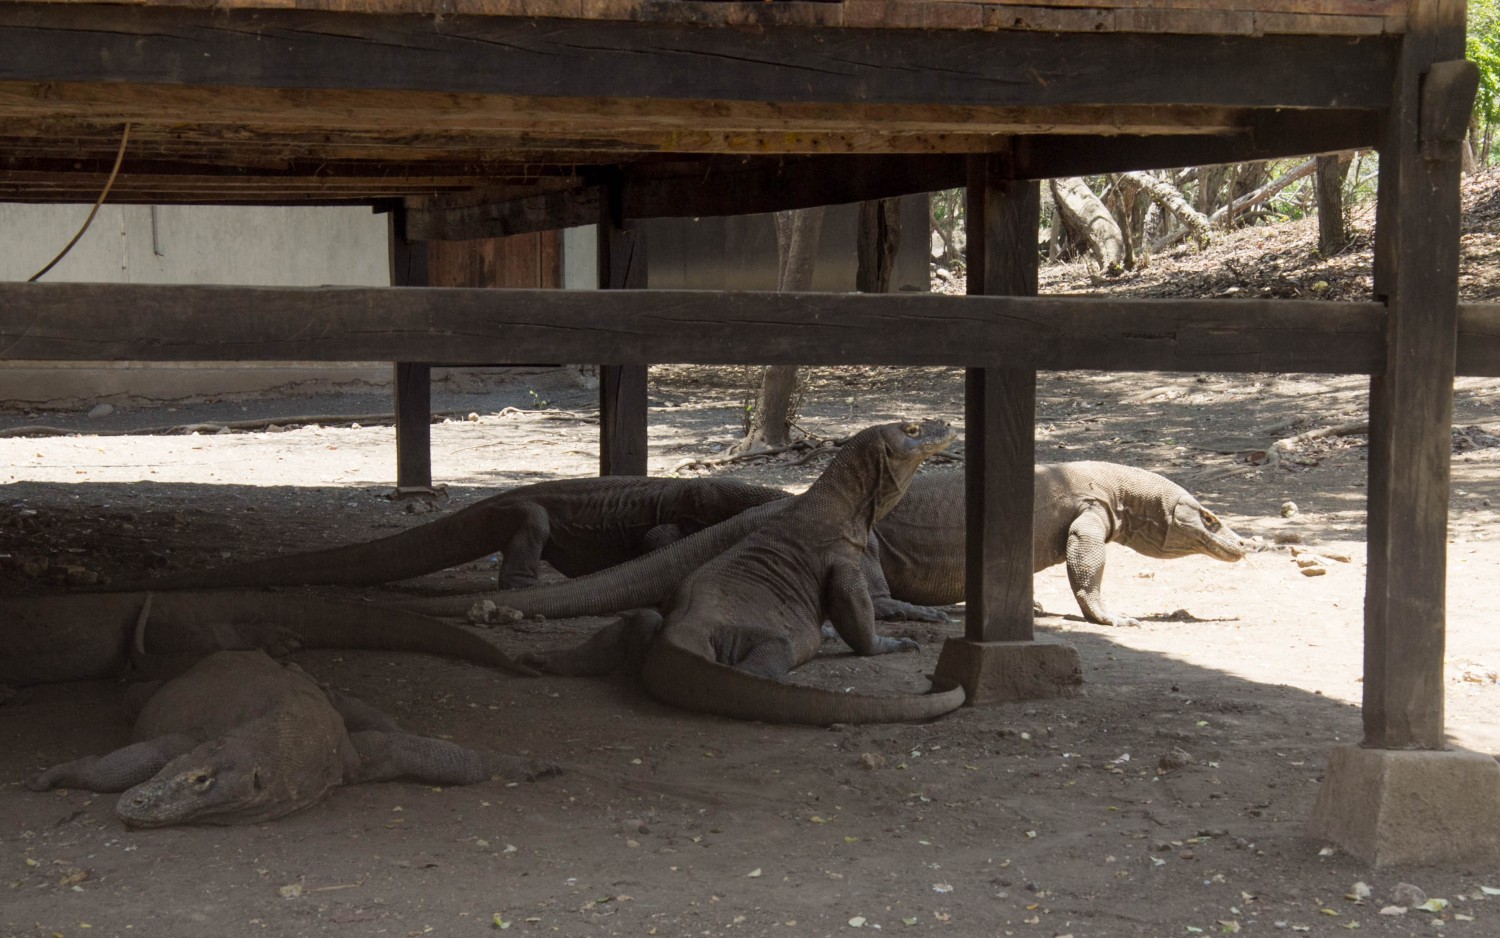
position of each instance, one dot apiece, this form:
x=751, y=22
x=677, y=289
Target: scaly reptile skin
x=239, y=738
x=746, y=618
x=1079, y=508
x=916, y=559
x=576, y=525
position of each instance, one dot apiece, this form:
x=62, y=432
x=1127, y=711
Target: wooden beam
x=1411, y=404
x=1000, y=414
x=623, y=429
x=1264, y=135
x=162, y=322
x=645, y=61
x=412, y=381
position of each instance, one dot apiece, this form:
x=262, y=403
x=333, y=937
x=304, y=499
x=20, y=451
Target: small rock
x=1287, y=537
x=473, y=417
x=1172, y=760
x=102, y=410
x=486, y=612
x=634, y=826
x=872, y=760
x=1318, y=570
x=1408, y=895
x=1289, y=509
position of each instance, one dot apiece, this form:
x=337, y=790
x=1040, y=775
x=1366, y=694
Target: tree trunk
x=877, y=241
x=1331, y=169
x=1255, y=198
x=1087, y=214
x=1171, y=200
x=796, y=251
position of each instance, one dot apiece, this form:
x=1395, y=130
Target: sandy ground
x=1045, y=819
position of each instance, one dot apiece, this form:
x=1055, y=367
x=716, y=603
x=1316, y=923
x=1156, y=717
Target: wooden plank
x=1411, y=405
x=412, y=381
x=160, y=322
x=489, y=122
x=927, y=14
x=1479, y=340
x=1000, y=414
x=622, y=259
x=571, y=59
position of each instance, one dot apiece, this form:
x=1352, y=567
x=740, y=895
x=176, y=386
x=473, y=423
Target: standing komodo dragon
x=576, y=525
x=239, y=738
x=916, y=557
x=77, y=637
x=746, y=618
x=1079, y=508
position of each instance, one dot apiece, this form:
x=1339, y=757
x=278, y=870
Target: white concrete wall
x=187, y=244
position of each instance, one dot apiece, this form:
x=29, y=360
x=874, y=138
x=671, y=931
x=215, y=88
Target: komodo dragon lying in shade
x=576, y=525
x=916, y=557
x=239, y=738
x=45, y=639
x=746, y=618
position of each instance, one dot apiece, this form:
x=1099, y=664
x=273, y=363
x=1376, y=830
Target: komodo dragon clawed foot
x=239, y=739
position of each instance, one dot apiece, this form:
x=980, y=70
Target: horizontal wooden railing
x=148, y=322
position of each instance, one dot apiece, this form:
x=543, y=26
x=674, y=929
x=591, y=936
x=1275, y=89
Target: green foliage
x=1484, y=51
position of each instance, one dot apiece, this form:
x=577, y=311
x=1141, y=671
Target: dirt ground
x=1047, y=818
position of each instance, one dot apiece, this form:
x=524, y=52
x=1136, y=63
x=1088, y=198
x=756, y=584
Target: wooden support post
x=622, y=388
x=1411, y=403
x=1401, y=797
x=997, y=659
x=1000, y=415
x=410, y=267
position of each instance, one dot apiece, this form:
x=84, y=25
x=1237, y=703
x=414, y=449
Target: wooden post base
x=997, y=672
x=1387, y=807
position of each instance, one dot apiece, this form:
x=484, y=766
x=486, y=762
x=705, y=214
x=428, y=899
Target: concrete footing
x=993, y=672
x=1390, y=807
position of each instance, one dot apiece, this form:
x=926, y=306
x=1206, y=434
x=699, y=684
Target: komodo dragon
x=576, y=525
x=916, y=557
x=1079, y=507
x=746, y=618
x=75, y=637
x=239, y=738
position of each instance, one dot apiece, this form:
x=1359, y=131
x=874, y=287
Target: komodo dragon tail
x=321, y=623
x=644, y=581
x=677, y=676
x=464, y=535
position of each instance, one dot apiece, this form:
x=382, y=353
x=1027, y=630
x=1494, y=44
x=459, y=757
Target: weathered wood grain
x=150, y=322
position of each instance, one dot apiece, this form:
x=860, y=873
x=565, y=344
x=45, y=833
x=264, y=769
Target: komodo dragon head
x=1176, y=525
x=219, y=782
x=889, y=454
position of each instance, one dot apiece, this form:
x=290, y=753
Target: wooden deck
x=776, y=105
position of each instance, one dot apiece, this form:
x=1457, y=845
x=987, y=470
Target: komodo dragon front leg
x=1087, y=537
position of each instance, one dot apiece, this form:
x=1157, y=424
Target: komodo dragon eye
x=1211, y=522
x=201, y=780
x=912, y=429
